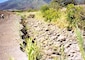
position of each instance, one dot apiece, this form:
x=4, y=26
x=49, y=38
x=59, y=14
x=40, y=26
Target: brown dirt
x=9, y=37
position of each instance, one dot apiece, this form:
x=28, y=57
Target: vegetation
x=50, y=15
x=11, y=58
x=44, y=8
x=80, y=42
x=56, y=4
x=74, y=17
x=53, y=12
x=73, y=14
x=32, y=50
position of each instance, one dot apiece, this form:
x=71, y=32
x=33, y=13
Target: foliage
x=73, y=14
x=51, y=15
x=23, y=17
x=80, y=42
x=31, y=10
x=74, y=18
x=44, y=8
x=56, y=4
x=32, y=50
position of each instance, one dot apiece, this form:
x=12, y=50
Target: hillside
x=23, y=4
x=31, y=4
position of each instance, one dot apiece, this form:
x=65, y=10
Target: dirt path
x=9, y=38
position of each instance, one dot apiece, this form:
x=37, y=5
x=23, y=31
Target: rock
x=84, y=33
x=31, y=16
x=24, y=31
x=48, y=52
x=2, y=16
x=61, y=38
x=24, y=43
x=50, y=39
x=67, y=45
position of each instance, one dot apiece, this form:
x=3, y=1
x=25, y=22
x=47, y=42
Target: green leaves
x=44, y=8
x=32, y=49
x=51, y=15
x=80, y=42
x=73, y=14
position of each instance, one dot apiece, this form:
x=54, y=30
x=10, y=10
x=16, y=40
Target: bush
x=31, y=10
x=44, y=8
x=73, y=14
x=51, y=15
x=56, y=4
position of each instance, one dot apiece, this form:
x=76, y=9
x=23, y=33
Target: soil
x=10, y=37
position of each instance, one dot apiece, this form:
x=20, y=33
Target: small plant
x=63, y=56
x=11, y=58
x=23, y=17
x=32, y=50
x=80, y=42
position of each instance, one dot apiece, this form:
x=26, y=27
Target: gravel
x=54, y=42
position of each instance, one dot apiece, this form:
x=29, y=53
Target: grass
x=61, y=22
x=80, y=42
x=32, y=50
x=53, y=16
x=25, y=13
x=63, y=56
x=39, y=15
x=11, y=58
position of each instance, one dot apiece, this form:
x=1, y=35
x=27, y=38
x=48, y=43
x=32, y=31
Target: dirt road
x=9, y=38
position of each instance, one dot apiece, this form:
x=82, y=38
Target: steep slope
x=23, y=4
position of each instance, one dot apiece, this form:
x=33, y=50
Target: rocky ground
x=55, y=43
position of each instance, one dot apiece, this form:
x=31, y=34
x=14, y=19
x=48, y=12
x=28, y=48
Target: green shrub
x=31, y=10
x=56, y=4
x=44, y=8
x=51, y=15
x=32, y=50
x=73, y=14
